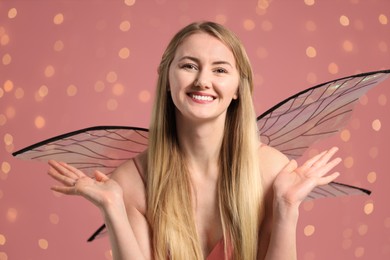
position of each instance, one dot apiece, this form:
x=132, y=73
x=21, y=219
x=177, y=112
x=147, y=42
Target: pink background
x=67, y=65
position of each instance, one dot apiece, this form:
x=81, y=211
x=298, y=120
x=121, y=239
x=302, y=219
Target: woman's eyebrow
x=219, y=62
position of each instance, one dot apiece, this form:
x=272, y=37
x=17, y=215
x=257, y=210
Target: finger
x=309, y=163
x=64, y=190
x=101, y=177
x=72, y=170
x=328, y=179
x=55, y=174
x=63, y=169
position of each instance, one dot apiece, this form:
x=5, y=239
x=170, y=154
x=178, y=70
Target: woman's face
x=203, y=78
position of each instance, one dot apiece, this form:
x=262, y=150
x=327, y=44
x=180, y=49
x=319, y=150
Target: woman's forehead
x=204, y=46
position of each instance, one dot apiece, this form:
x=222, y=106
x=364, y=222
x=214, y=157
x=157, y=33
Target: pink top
x=218, y=252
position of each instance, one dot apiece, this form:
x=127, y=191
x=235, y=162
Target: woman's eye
x=189, y=66
x=221, y=70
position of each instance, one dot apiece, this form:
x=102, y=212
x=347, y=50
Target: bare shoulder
x=130, y=176
x=272, y=162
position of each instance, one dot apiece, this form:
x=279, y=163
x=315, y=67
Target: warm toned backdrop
x=67, y=64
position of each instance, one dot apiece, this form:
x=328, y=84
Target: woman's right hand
x=101, y=191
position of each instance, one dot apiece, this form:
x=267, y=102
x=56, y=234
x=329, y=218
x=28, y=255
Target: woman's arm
x=286, y=191
x=108, y=195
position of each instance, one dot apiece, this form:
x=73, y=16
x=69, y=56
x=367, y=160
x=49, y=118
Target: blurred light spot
x=1, y=92
x=99, y=86
x=118, y=89
x=49, y=71
x=144, y=96
x=8, y=86
x=348, y=46
x=362, y=229
x=71, y=91
x=129, y=2
x=376, y=125
x=311, y=78
x=266, y=26
x=371, y=177
x=249, y=24
x=382, y=19
x=6, y=59
x=2, y=240
x=5, y=167
x=368, y=208
x=12, y=215
x=308, y=205
x=12, y=13
x=8, y=139
x=125, y=26
x=359, y=252
x=309, y=2
x=4, y=39
x=348, y=162
x=311, y=26
x=258, y=80
x=54, y=218
x=10, y=112
x=111, y=77
x=263, y=4
x=373, y=152
x=382, y=100
x=39, y=122
x=58, y=19
x=382, y=46
x=387, y=222
x=309, y=230
x=43, y=91
x=43, y=243
x=3, y=256
x=124, y=53
x=221, y=18
x=261, y=52
x=359, y=25
x=311, y=52
x=3, y=119
x=347, y=243
x=333, y=68
x=19, y=93
x=344, y=20
x=363, y=100
x=112, y=104
x=345, y=135
x=58, y=45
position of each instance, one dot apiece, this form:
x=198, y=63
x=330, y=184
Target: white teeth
x=203, y=98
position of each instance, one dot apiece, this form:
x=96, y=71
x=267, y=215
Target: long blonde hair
x=240, y=192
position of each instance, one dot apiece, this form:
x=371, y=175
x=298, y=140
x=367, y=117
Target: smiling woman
x=205, y=182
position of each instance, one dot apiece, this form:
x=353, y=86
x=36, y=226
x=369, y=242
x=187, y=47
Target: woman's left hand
x=294, y=183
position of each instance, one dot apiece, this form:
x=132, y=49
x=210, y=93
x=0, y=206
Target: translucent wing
x=100, y=148
x=316, y=113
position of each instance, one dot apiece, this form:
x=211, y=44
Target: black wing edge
x=62, y=136
x=367, y=192
x=97, y=233
x=318, y=86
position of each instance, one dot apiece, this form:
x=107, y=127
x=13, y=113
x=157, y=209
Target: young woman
x=206, y=188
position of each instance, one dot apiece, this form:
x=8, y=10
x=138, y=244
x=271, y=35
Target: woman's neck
x=201, y=143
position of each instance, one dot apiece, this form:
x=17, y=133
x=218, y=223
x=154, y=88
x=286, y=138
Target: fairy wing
x=100, y=148
x=316, y=113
